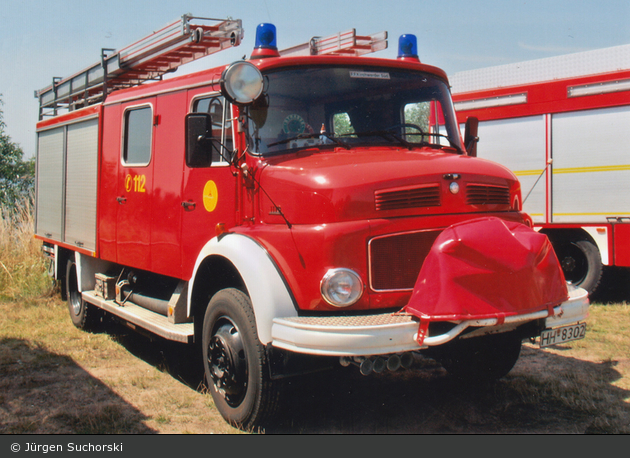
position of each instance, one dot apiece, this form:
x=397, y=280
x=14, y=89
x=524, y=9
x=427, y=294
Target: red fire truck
x=307, y=204
x=561, y=125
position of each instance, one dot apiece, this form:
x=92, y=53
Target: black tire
x=580, y=261
x=482, y=359
x=235, y=362
x=83, y=315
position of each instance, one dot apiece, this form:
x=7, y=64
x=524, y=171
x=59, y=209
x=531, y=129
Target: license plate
x=564, y=334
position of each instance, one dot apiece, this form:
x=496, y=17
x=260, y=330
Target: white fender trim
x=268, y=292
x=87, y=268
x=600, y=236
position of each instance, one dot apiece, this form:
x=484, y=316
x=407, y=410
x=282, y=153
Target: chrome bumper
x=396, y=333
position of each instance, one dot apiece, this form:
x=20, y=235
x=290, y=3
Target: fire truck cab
x=305, y=203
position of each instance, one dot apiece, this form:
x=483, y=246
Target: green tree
x=16, y=175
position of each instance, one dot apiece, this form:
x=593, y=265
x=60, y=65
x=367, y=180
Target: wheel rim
x=574, y=264
x=75, y=303
x=73, y=293
x=227, y=362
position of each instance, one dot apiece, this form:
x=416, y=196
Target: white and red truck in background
x=562, y=125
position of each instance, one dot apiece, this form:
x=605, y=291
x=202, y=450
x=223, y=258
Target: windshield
x=351, y=106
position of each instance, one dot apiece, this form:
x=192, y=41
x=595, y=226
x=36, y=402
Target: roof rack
x=346, y=43
x=145, y=60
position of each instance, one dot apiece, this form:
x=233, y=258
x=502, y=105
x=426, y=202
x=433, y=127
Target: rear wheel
x=482, y=359
x=83, y=315
x=578, y=256
x=235, y=362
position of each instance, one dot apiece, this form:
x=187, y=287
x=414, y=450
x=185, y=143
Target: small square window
x=137, y=140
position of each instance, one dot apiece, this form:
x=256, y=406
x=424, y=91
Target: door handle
x=121, y=200
x=189, y=206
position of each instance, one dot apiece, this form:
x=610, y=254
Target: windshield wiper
x=311, y=135
x=435, y=134
x=385, y=134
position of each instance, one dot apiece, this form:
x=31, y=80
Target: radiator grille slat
x=484, y=194
x=411, y=197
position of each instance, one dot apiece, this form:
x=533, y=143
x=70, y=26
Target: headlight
x=341, y=287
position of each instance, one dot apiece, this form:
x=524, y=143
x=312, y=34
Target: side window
x=138, y=129
x=429, y=118
x=342, y=124
x=417, y=114
x=220, y=110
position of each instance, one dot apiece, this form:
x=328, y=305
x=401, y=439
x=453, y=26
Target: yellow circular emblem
x=210, y=196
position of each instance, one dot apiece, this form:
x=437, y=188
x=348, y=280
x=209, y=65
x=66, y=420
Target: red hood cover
x=487, y=268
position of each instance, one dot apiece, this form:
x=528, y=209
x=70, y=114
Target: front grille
x=395, y=260
x=408, y=197
x=485, y=194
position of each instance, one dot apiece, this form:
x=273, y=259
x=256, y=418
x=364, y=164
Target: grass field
x=57, y=379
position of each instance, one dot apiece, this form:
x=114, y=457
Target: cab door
x=135, y=185
x=209, y=182
x=168, y=163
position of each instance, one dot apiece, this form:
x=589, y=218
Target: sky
x=42, y=39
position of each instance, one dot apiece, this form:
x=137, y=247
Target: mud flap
x=486, y=268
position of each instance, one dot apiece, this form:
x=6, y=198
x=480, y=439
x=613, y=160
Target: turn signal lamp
x=220, y=229
x=408, y=47
x=266, y=44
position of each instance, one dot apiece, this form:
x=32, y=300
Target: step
x=144, y=318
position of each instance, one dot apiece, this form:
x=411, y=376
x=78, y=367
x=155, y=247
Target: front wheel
x=235, y=362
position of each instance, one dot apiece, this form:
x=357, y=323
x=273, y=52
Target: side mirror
x=198, y=140
x=471, y=136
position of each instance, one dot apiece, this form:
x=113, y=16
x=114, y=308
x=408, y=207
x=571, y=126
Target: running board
x=144, y=318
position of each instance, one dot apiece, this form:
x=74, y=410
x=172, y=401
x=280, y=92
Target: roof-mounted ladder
x=346, y=43
x=147, y=59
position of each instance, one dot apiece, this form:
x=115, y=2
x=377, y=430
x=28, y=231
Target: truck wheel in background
x=580, y=261
x=84, y=316
x=235, y=362
x=481, y=359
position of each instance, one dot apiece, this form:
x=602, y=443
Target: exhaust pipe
x=406, y=360
x=393, y=363
x=364, y=364
x=378, y=364
x=366, y=367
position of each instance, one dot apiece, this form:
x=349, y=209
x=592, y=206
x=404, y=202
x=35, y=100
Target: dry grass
x=22, y=266
x=56, y=379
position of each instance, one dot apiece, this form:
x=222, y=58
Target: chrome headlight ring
x=341, y=287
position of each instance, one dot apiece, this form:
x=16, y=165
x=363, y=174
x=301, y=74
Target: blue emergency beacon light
x=266, y=44
x=408, y=47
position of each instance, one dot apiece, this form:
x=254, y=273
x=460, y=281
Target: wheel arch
x=214, y=273
x=236, y=260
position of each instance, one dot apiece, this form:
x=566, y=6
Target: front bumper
x=396, y=333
